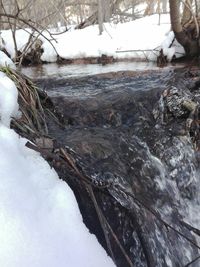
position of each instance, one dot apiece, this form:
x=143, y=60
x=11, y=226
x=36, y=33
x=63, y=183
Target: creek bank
x=133, y=140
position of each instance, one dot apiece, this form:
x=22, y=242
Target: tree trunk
x=150, y=8
x=106, y=10
x=164, y=6
x=80, y=11
x=100, y=16
x=184, y=37
x=186, y=12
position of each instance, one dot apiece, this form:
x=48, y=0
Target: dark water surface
x=127, y=126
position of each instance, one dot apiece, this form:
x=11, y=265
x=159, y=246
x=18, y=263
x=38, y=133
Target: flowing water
x=126, y=132
x=68, y=71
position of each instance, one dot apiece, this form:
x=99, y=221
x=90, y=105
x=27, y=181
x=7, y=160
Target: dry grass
x=32, y=121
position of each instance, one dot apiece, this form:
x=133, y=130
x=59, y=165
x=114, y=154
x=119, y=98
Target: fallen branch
x=140, y=51
x=191, y=228
x=107, y=225
x=102, y=221
x=62, y=155
x=193, y=261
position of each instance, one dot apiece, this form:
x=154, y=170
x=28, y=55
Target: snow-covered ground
x=140, y=39
x=40, y=222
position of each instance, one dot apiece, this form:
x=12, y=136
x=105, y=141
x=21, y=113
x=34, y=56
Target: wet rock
x=177, y=102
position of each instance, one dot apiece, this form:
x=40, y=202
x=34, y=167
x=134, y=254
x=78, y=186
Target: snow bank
x=22, y=37
x=172, y=50
x=8, y=100
x=122, y=40
x=139, y=39
x=40, y=223
x=6, y=61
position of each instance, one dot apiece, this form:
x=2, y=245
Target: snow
x=122, y=40
x=170, y=50
x=22, y=37
x=49, y=54
x=40, y=222
x=140, y=8
x=6, y=61
x=8, y=100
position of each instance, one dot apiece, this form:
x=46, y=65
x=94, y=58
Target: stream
x=135, y=129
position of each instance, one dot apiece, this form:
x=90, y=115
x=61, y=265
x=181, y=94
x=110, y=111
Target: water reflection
x=66, y=71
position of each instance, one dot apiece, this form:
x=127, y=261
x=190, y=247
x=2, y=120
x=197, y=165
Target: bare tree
x=150, y=9
x=187, y=37
x=100, y=16
x=14, y=17
x=186, y=12
x=164, y=6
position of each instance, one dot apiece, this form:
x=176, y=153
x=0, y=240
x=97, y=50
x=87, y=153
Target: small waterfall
x=171, y=190
x=131, y=135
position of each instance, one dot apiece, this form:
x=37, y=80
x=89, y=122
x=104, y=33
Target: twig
x=52, y=2
x=13, y=30
x=106, y=224
x=140, y=50
x=140, y=202
x=157, y=215
x=194, y=17
x=72, y=163
x=102, y=221
x=190, y=263
x=44, y=152
x=119, y=244
x=137, y=50
x=87, y=181
x=197, y=232
x=191, y=228
x=31, y=25
x=26, y=48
